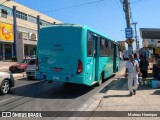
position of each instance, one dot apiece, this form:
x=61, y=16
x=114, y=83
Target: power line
x=78, y=5
x=139, y=1
x=120, y=8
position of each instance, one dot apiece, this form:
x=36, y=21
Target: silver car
x=6, y=82
x=31, y=69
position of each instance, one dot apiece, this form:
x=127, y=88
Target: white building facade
x=26, y=24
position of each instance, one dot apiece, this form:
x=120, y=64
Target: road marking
x=6, y=99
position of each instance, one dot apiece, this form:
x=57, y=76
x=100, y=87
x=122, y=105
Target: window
x=43, y=23
x=32, y=19
x=6, y=11
x=103, y=47
x=89, y=44
x=21, y=15
x=110, y=48
x=25, y=35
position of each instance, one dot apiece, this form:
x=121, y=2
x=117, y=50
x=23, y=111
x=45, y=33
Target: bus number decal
x=55, y=78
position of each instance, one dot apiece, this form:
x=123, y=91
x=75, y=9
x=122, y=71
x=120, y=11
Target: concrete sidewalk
x=115, y=97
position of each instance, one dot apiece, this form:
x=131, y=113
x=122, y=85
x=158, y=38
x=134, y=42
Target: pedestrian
x=156, y=59
x=144, y=69
x=157, y=71
x=132, y=68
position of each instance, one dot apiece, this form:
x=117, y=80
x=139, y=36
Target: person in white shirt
x=132, y=68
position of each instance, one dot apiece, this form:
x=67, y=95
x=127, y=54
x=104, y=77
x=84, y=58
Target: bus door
x=114, y=59
x=95, y=57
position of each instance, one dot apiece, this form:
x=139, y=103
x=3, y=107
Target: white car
x=31, y=69
x=6, y=82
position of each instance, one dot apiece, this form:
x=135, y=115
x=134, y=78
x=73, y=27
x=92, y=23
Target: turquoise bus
x=73, y=53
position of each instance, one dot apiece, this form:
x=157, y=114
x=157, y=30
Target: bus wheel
x=117, y=69
x=100, y=81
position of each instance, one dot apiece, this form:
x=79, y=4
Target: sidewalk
x=115, y=97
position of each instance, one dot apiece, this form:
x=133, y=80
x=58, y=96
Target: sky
x=105, y=16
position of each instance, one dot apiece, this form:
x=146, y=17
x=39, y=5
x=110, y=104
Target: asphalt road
x=34, y=95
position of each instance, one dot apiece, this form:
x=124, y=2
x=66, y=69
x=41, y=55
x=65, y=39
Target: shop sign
x=6, y=32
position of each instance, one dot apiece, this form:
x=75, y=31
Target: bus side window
x=118, y=52
x=103, y=48
x=89, y=45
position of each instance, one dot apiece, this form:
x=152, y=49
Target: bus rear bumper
x=78, y=79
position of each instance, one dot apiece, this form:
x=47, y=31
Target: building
x=27, y=25
x=151, y=37
x=151, y=43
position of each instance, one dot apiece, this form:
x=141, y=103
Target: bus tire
x=117, y=69
x=100, y=81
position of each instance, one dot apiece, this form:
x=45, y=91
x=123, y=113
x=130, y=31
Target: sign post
x=129, y=40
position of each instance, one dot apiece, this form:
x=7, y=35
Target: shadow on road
x=157, y=92
x=56, y=90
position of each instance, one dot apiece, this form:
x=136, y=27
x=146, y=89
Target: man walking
x=132, y=68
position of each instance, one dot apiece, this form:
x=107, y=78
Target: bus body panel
x=106, y=67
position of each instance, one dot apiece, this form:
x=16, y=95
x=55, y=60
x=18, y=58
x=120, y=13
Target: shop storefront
x=29, y=50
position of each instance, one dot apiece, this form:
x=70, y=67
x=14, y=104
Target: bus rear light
x=37, y=68
x=79, y=68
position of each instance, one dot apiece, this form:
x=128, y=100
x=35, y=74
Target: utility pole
x=135, y=23
x=126, y=8
x=138, y=42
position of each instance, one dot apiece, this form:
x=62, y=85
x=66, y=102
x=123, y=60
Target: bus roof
x=81, y=26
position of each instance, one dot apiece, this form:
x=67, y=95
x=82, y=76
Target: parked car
x=20, y=66
x=6, y=82
x=31, y=69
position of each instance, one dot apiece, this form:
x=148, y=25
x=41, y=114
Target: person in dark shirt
x=144, y=68
x=157, y=71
